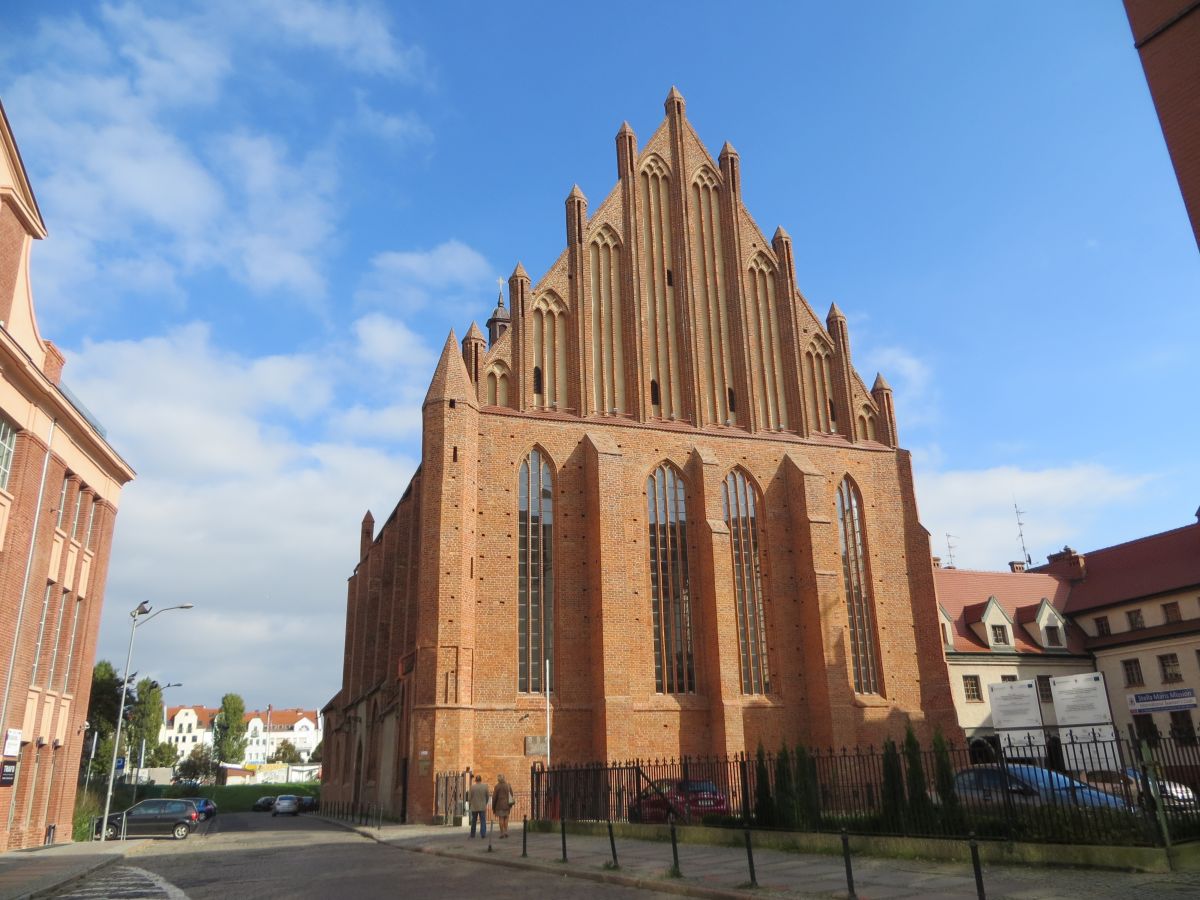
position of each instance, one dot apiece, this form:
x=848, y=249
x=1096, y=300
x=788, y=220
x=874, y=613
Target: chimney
x=1017, y=565
x=1067, y=563
x=937, y=562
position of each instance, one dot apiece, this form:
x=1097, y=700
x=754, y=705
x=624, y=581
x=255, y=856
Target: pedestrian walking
x=477, y=803
x=502, y=803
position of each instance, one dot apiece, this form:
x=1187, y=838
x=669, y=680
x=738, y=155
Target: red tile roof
x=1151, y=565
x=204, y=714
x=964, y=595
x=283, y=717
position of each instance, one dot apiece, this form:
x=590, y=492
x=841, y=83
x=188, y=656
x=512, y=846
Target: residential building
x=187, y=727
x=657, y=499
x=60, y=483
x=1004, y=626
x=1138, y=604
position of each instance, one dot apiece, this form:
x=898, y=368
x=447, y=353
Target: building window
x=1183, y=729
x=535, y=573
x=8, y=444
x=1136, y=622
x=999, y=634
x=78, y=517
x=740, y=503
x=1008, y=678
x=1102, y=626
x=91, y=522
x=1133, y=672
x=945, y=634
x=1045, y=694
x=1168, y=664
x=62, y=501
x=671, y=606
x=972, y=689
x=858, y=589
x=1053, y=636
x=1171, y=612
x=37, y=651
x=1143, y=723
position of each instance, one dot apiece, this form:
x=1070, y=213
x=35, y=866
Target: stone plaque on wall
x=535, y=745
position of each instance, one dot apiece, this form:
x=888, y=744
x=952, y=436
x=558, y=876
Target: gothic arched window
x=535, y=573
x=671, y=607
x=863, y=654
x=740, y=502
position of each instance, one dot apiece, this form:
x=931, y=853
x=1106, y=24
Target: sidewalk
x=33, y=873
x=722, y=872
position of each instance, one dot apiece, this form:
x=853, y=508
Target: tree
x=286, y=752
x=808, y=797
x=943, y=780
x=200, y=765
x=785, y=793
x=918, y=794
x=893, y=787
x=106, y=698
x=146, y=717
x=315, y=756
x=161, y=755
x=229, y=730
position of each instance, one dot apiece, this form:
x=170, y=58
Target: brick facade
x=669, y=333
x=58, y=505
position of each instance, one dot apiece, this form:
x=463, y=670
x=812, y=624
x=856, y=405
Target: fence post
x=750, y=859
x=978, y=869
x=675, y=873
x=612, y=843
x=849, y=869
x=563, y=826
x=1150, y=779
x=744, y=765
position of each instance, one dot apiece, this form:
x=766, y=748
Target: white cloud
x=976, y=506
x=452, y=274
x=388, y=343
x=402, y=130
x=237, y=508
x=912, y=383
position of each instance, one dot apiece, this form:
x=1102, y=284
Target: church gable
x=670, y=304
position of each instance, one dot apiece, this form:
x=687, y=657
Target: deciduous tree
x=286, y=752
x=229, y=730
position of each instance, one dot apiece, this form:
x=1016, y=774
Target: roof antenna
x=950, y=550
x=1021, y=533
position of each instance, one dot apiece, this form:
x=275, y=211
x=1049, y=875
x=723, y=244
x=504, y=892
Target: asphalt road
x=255, y=855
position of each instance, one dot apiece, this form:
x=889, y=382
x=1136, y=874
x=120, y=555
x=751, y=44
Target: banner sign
x=12, y=742
x=1017, y=718
x=1162, y=701
x=1085, y=720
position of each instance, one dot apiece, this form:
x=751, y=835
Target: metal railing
x=1134, y=790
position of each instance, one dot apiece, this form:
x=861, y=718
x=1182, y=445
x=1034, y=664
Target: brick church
x=657, y=495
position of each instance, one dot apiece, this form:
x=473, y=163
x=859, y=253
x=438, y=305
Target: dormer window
x=1053, y=636
x=1000, y=634
x=945, y=634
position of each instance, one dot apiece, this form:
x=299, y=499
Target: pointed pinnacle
x=368, y=517
x=625, y=128
x=728, y=150
x=473, y=333
x=576, y=194
x=835, y=313
x=519, y=272
x=674, y=94
x=880, y=384
x=780, y=234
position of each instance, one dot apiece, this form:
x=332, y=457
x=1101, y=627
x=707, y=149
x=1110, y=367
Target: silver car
x=286, y=804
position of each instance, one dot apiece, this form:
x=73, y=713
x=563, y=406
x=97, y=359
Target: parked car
x=308, y=804
x=286, y=804
x=1176, y=797
x=204, y=806
x=1024, y=785
x=689, y=800
x=166, y=818
x=264, y=804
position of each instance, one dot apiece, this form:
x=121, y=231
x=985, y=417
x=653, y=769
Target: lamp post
x=142, y=609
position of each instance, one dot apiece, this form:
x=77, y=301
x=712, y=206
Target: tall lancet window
x=671, y=606
x=549, y=352
x=608, y=354
x=859, y=606
x=740, y=503
x=766, y=345
x=535, y=573
x=658, y=286
x=818, y=388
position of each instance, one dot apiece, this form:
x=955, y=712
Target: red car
x=689, y=800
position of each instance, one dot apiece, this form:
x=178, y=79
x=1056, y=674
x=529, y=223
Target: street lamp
x=143, y=609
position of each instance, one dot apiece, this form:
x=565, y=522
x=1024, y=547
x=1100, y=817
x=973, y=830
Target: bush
x=893, y=788
x=919, y=807
x=88, y=805
x=808, y=796
x=785, y=793
x=764, y=803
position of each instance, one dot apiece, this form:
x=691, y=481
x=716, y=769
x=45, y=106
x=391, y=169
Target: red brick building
x=1167, y=36
x=59, y=486
x=661, y=475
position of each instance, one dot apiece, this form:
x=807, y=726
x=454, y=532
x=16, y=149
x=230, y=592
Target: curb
x=664, y=886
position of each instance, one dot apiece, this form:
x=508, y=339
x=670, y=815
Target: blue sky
x=265, y=216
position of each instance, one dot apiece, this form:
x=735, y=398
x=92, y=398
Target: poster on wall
x=1084, y=717
x=12, y=742
x=1017, y=718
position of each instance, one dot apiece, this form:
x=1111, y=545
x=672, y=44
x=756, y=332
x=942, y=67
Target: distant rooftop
x=83, y=410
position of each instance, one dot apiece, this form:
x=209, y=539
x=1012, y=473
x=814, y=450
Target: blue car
x=1025, y=785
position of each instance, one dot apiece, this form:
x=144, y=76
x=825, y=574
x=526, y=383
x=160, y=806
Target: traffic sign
x=120, y=763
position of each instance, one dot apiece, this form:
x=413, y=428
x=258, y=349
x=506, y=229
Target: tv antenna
x=1021, y=533
x=950, y=550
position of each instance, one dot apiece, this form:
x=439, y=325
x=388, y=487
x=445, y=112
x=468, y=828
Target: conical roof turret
x=835, y=313
x=880, y=383
x=473, y=334
x=450, y=379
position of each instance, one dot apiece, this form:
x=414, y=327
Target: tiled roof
x=1151, y=565
x=964, y=595
x=204, y=714
x=283, y=717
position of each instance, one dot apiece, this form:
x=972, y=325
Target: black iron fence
x=1096, y=789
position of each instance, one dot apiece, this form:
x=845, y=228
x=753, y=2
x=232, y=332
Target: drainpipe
x=37, y=517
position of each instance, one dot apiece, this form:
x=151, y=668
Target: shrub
x=943, y=780
x=919, y=807
x=764, y=803
x=785, y=791
x=88, y=805
x=893, y=787
x=808, y=797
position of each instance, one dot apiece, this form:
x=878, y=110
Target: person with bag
x=503, y=801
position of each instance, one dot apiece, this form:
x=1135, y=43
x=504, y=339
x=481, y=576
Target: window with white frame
x=972, y=689
x=8, y=445
x=62, y=501
x=1053, y=636
x=1000, y=634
